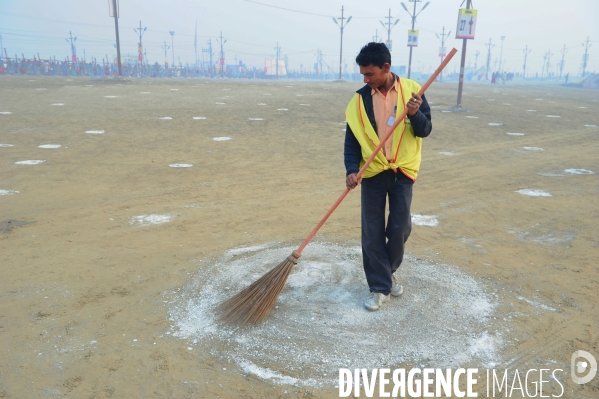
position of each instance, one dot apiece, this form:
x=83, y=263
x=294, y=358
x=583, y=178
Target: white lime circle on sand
x=495, y=124
x=165, y=118
x=534, y=148
x=305, y=105
x=256, y=119
x=221, y=138
x=49, y=146
x=446, y=153
x=531, y=110
x=111, y=96
x=95, y=131
x=444, y=318
x=58, y=104
x=261, y=104
x=180, y=165
x=5, y=113
x=7, y=145
x=472, y=117
x=220, y=103
x=30, y=162
x=146, y=220
x=591, y=126
x=8, y=192
x=553, y=116
x=516, y=134
x=579, y=171
x=282, y=109
x=199, y=117
x=534, y=193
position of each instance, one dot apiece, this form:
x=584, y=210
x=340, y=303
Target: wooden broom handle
x=375, y=152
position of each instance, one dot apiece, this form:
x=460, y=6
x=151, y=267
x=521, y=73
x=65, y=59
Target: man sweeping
x=370, y=113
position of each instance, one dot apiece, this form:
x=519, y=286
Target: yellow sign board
x=412, y=38
x=466, y=23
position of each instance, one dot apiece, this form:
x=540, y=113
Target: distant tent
x=591, y=81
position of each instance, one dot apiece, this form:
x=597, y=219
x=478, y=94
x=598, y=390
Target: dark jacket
x=421, y=123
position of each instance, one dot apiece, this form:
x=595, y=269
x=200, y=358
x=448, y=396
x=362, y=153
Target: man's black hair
x=373, y=53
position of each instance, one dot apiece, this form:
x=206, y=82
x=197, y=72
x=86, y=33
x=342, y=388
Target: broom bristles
x=254, y=303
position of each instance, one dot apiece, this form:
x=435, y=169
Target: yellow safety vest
x=406, y=147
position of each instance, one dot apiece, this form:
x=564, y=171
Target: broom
x=254, y=303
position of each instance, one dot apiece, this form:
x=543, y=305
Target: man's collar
x=394, y=87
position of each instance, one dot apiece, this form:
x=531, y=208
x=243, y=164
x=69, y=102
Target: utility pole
x=388, y=26
x=489, y=46
x=222, y=54
x=526, y=51
x=561, y=64
x=165, y=47
x=501, y=54
x=172, y=32
x=375, y=38
x=458, y=106
x=476, y=59
x=548, y=58
x=73, y=49
x=442, y=52
x=413, y=16
x=585, y=57
x=140, y=47
x=341, y=26
x=114, y=12
x=278, y=53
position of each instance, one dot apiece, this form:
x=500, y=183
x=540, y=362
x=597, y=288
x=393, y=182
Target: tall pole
x=140, y=48
x=476, y=59
x=222, y=54
x=442, y=52
x=561, y=64
x=526, y=51
x=278, y=51
x=165, y=47
x=210, y=50
x=118, y=42
x=388, y=25
x=489, y=47
x=501, y=55
x=341, y=25
x=462, y=65
x=413, y=15
x=172, y=32
x=72, y=40
x=548, y=58
x=585, y=57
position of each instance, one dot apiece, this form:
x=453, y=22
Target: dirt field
x=103, y=240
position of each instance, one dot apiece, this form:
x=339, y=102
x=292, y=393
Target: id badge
x=391, y=121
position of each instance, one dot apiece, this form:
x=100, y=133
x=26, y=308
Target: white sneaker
x=375, y=301
x=396, y=288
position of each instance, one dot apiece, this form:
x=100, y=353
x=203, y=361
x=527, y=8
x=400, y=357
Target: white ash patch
x=553, y=116
x=534, y=193
x=177, y=89
x=58, y=104
x=531, y=110
x=199, y=118
x=5, y=112
x=582, y=107
x=221, y=138
x=507, y=104
x=591, y=126
x=220, y=103
x=516, y=134
x=256, y=119
x=425, y=220
x=538, y=99
x=147, y=220
x=111, y=96
x=95, y=131
x=180, y=165
x=305, y=105
x=446, y=153
x=7, y=145
x=49, y=146
x=579, y=171
x=545, y=235
x=446, y=111
x=495, y=124
x=444, y=317
x=282, y=109
x=536, y=304
x=165, y=118
x=534, y=148
x=8, y=192
x=261, y=104
x=550, y=174
x=471, y=117
x=30, y=162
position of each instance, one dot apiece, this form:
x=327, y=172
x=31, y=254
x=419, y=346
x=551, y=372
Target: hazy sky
x=252, y=30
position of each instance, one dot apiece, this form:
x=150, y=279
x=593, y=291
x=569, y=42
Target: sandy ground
x=91, y=286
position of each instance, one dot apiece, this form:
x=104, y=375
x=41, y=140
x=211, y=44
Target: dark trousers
x=383, y=246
